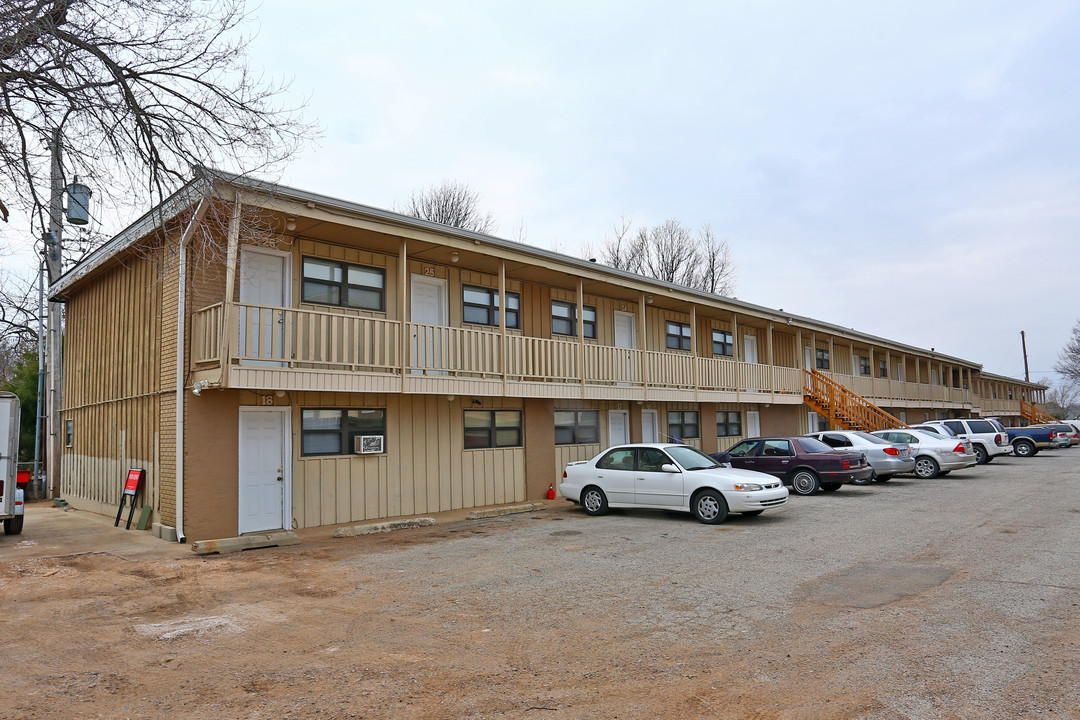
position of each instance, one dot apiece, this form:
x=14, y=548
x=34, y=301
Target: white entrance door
x=749, y=343
x=265, y=486
x=429, y=309
x=650, y=431
x=625, y=337
x=753, y=423
x=264, y=284
x=618, y=427
x=808, y=358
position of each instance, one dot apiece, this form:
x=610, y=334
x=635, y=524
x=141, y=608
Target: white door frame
x=750, y=341
x=286, y=464
x=429, y=343
x=625, y=414
x=286, y=297
x=656, y=425
x=753, y=423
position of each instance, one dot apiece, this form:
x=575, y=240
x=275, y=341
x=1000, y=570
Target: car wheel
x=709, y=507
x=594, y=500
x=830, y=487
x=752, y=513
x=805, y=482
x=1024, y=448
x=13, y=526
x=981, y=456
x=926, y=467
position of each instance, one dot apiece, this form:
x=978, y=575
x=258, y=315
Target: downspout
x=181, y=307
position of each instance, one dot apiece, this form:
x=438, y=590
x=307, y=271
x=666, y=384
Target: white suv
x=988, y=437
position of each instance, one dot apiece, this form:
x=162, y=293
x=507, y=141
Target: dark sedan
x=806, y=464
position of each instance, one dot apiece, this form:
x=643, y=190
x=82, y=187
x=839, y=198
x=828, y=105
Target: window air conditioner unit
x=367, y=444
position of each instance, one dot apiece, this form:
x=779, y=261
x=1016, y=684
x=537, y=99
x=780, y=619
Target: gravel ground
x=949, y=598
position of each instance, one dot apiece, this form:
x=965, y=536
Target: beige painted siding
x=425, y=469
x=112, y=375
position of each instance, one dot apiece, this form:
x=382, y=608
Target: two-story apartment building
x=276, y=359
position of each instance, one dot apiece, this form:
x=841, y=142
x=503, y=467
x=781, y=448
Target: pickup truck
x=1028, y=441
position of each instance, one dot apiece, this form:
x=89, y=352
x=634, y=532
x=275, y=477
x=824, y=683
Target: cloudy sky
x=909, y=169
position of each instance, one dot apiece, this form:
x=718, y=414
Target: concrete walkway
x=49, y=531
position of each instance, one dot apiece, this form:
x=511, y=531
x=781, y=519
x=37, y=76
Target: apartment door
x=429, y=310
x=618, y=427
x=265, y=484
x=264, y=291
x=753, y=423
x=626, y=337
x=749, y=348
x=749, y=343
x=650, y=430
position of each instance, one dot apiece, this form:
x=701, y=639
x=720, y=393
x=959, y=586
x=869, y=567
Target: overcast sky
x=909, y=169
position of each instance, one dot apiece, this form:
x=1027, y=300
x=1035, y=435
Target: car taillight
x=892, y=451
x=997, y=439
x=845, y=465
x=563, y=474
x=959, y=449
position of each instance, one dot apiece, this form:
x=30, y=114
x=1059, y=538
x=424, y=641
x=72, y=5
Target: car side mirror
x=668, y=467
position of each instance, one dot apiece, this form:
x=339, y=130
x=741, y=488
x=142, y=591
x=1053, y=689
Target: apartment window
x=678, y=336
x=728, y=423
x=577, y=427
x=722, y=343
x=683, y=424
x=864, y=365
x=492, y=429
x=333, y=283
x=481, y=306
x=883, y=369
x=69, y=432
x=333, y=431
x=822, y=359
x=564, y=319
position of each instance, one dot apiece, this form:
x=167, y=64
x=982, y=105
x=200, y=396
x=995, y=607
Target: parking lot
x=955, y=597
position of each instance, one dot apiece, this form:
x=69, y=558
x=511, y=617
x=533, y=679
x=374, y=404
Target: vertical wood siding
x=112, y=377
x=425, y=469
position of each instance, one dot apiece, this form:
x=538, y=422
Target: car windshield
x=873, y=439
x=811, y=445
x=691, y=458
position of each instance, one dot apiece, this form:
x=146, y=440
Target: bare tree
x=1060, y=397
x=670, y=252
x=1068, y=363
x=139, y=92
x=716, y=273
x=450, y=203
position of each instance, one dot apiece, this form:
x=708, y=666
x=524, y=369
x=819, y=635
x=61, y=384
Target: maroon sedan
x=806, y=464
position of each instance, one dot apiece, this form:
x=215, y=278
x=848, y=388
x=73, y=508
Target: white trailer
x=11, y=495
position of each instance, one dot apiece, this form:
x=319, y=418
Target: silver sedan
x=887, y=458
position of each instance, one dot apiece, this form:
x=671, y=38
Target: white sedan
x=669, y=477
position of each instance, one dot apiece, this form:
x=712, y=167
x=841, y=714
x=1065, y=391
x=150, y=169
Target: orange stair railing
x=843, y=408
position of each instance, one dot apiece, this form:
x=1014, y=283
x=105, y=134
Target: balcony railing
x=877, y=389
x=304, y=339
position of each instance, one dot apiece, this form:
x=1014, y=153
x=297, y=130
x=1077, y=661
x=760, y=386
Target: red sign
x=131, y=487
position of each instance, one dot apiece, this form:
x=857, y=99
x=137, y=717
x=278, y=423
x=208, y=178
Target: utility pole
x=1023, y=344
x=53, y=263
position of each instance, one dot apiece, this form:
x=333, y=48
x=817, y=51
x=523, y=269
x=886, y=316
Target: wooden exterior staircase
x=844, y=408
x=1034, y=415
